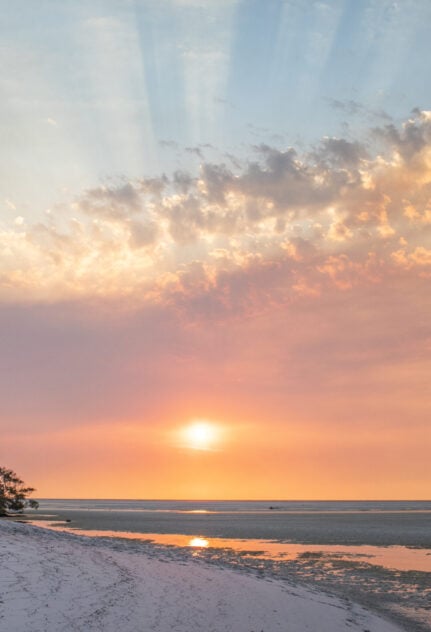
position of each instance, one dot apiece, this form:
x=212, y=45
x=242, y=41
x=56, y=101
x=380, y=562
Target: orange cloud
x=150, y=237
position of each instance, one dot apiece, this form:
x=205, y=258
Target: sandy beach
x=52, y=582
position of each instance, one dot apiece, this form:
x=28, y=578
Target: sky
x=215, y=248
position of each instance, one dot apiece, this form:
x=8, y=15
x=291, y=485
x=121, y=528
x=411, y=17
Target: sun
x=201, y=435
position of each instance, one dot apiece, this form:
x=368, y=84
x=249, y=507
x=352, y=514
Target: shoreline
x=58, y=581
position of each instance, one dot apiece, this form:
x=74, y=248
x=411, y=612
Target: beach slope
x=53, y=582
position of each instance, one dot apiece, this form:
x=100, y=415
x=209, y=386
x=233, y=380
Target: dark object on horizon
x=13, y=493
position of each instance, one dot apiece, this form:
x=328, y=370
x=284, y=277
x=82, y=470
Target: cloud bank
x=285, y=225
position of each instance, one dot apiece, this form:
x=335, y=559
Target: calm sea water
x=377, y=553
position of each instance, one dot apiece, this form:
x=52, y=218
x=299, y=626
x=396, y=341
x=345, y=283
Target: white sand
x=53, y=582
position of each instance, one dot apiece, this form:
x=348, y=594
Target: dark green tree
x=13, y=493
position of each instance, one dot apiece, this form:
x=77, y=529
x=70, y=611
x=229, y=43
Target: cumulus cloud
x=342, y=152
x=413, y=136
x=284, y=226
x=112, y=202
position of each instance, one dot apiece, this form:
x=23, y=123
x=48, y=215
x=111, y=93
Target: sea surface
x=377, y=553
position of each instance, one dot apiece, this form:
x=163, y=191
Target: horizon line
x=279, y=500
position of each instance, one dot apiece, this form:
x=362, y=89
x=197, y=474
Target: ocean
x=377, y=553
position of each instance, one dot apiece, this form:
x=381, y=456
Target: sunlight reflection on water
x=199, y=542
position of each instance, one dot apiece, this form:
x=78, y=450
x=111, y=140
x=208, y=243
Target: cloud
x=412, y=138
x=169, y=144
x=183, y=181
x=196, y=151
x=289, y=224
x=420, y=258
x=343, y=152
x=112, y=202
x=351, y=107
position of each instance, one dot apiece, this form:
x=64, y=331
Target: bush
x=13, y=493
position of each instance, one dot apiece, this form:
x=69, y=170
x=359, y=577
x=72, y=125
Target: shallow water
x=347, y=522
x=375, y=553
x=390, y=557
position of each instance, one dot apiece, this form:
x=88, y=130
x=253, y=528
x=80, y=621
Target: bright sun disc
x=201, y=435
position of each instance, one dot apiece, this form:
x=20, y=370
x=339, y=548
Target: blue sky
x=93, y=90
